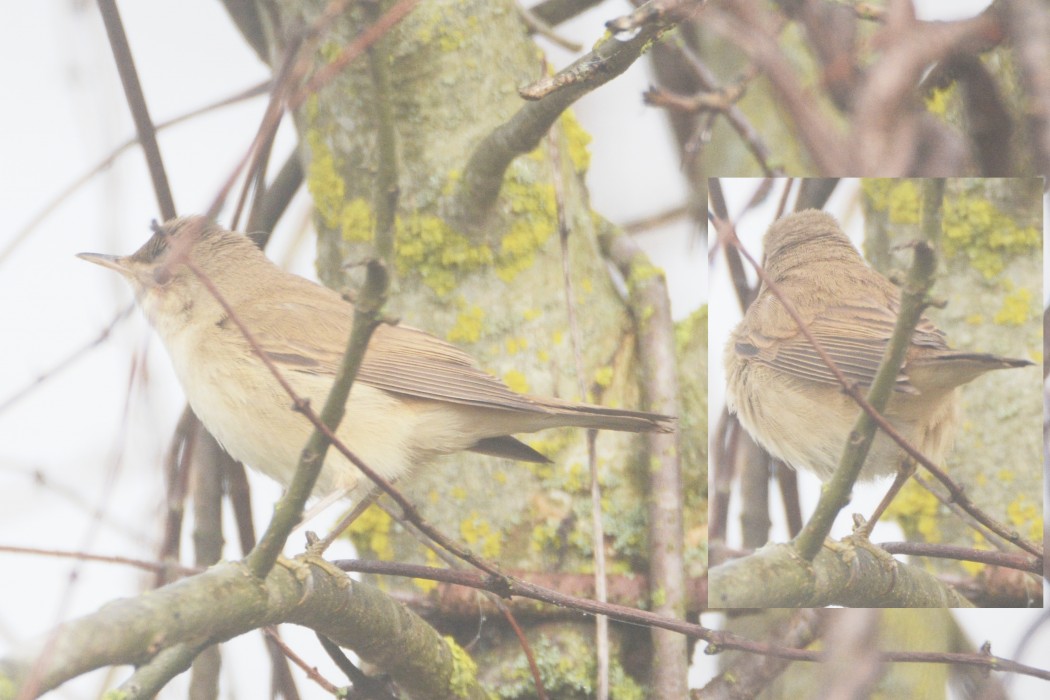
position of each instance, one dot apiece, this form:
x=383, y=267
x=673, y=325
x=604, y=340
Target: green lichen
x=464, y=669
x=976, y=228
x=330, y=50
x=899, y=198
x=568, y=672
x=576, y=479
x=445, y=26
x=1016, y=309
x=7, y=688
x=545, y=537
x=629, y=531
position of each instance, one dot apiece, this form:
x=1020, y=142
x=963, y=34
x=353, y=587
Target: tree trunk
x=491, y=282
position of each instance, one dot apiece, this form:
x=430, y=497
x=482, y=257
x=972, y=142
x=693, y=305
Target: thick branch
x=848, y=576
x=483, y=175
x=227, y=601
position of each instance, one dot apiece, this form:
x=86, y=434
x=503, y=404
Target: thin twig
x=118, y=41
x=67, y=362
x=597, y=526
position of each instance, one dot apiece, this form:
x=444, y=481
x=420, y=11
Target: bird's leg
x=904, y=471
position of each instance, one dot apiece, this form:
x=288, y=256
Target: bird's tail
x=583, y=415
x=951, y=369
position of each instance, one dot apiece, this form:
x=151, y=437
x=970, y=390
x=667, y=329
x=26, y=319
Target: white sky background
x=96, y=433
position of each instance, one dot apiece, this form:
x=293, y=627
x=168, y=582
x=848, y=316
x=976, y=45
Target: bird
x=784, y=394
x=415, y=396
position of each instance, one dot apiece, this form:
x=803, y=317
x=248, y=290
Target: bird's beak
x=113, y=262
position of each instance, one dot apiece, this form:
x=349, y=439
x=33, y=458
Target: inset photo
x=876, y=354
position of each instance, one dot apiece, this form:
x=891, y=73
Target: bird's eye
x=162, y=274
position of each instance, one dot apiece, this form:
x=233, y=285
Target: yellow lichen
x=576, y=478
x=467, y=328
x=1026, y=516
x=979, y=542
x=974, y=227
x=899, y=198
x=577, y=140
x=532, y=220
x=516, y=381
x=938, y=100
x=464, y=669
x=439, y=254
x=323, y=179
x=917, y=511
x=545, y=537
x=1015, y=309
x=603, y=376
x=424, y=584
x=516, y=345
x=480, y=536
x=371, y=532
x=642, y=272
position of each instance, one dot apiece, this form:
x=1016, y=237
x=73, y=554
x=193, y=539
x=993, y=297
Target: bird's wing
x=409, y=361
x=854, y=336
x=399, y=359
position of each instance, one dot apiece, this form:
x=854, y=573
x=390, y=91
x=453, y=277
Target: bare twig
x=118, y=41
x=70, y=360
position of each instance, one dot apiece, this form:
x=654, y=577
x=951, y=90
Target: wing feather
x=854, y=336
x=400, y=359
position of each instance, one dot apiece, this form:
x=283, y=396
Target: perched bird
x=785, y=395
x=415, y=397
